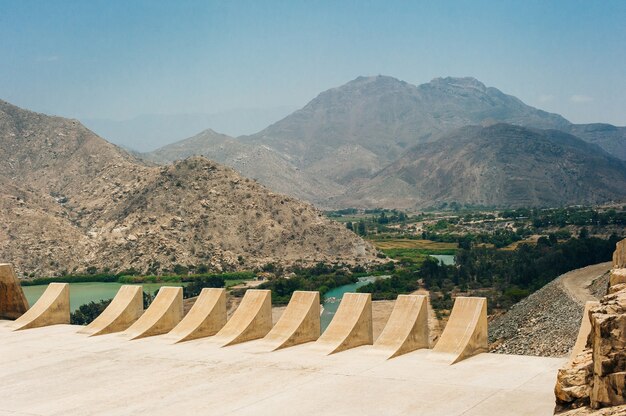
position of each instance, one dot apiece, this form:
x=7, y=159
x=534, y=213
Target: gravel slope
x=546, y=323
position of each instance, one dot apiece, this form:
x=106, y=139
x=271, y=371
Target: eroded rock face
x=573, y=385
x=608, y=342
x=619, y=256
x=617, y=278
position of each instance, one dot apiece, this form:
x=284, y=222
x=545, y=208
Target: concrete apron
x=54, y=370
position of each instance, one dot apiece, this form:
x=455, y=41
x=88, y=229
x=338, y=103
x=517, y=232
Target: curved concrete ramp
x=13, y=303
x=299, y=323
x=162, y=315
x=251, y=320
x=206, y=317
x=52, y=308
x=352, y=325
x=585, y=329
x=407, y=327
x=125, y=308
x=465, y=333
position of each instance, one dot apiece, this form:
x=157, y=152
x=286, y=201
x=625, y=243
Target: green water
x=332, y=298
x=81, y=293
x=447, y=259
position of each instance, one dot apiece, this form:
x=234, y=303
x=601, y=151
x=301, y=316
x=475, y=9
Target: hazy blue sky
x=120, y=59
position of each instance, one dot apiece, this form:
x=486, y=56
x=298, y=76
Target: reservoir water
x=81, y=293
x=447, y=259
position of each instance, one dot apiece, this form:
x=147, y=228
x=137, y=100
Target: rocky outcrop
x=608, y=343
x=596, y=378
x=574, y=382
x=619, y=256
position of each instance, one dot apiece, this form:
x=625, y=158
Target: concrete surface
x=163, y=314
x=407, y=328
x=54, y=371
x=123, y=311
x=465, y=333
x=13, y=303
x=351, y=326
x=299, y=323
x=585, y=329
x=205, y=318
x=252, y=319
x=53, y=307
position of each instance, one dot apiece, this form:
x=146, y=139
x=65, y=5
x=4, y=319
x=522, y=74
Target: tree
x=349, y=226
x=361, y=228
x=584, y=233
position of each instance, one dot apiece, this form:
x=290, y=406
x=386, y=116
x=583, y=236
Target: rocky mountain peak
x=467, y=83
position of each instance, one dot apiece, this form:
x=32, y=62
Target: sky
x=121, y=59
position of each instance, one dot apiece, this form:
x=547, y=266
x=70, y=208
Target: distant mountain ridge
x=347, y=136
x=496, y=166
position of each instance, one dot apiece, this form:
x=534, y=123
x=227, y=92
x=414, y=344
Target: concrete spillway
x=352, y=325
x=162, y=315
x=13, y=303
x=407, y=327
x=123, y=311
x=52, y=308
x=206, y=317
x=465, y=333
x=200, y=377
x=299, y=324
x=252, y=319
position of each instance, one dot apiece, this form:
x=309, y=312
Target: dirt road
x=577, y=281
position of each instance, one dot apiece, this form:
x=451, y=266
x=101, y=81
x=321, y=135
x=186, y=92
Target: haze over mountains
x=72, y=201
x=151, y=131
x=337, y=149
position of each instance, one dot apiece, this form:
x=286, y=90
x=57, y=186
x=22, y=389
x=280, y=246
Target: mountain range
x=352, y=146
x=72, y=202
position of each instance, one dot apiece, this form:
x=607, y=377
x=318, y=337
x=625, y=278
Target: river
x=332, y=298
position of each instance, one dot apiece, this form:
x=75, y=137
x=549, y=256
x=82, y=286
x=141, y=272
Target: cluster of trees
x=321, y=278
x=401, y=281
x=505, y=276
x=514, y=274
x=501, y=237
x=568, y=216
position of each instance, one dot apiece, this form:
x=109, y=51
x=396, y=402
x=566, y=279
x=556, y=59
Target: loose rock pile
x=544, y=324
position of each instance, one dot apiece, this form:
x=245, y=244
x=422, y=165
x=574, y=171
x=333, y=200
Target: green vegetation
x=231, y=278
x=71, y=279
x=504, y=276
x=321, y=278
x=86, y=313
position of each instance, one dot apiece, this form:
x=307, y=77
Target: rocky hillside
x=610, y=138
x=71, y=201
x=499, y=165
x=343, y=141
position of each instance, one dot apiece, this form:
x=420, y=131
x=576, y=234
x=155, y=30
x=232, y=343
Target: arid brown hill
x=71, y=201
x=500, y=165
